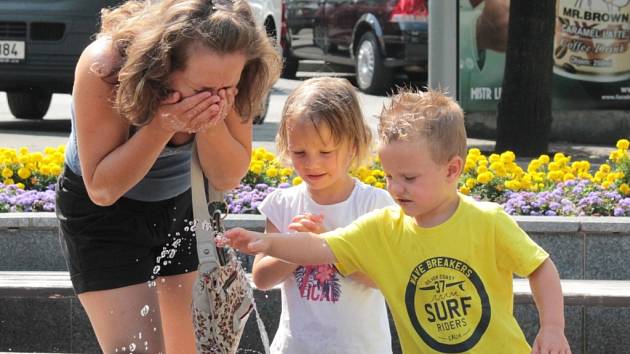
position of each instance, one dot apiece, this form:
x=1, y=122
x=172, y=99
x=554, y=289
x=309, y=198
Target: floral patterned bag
x=222, y=296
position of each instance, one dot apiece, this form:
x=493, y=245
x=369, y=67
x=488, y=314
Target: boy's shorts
x=127, y=243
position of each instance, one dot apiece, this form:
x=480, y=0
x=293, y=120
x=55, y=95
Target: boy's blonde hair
x=413, y=115
x=330, y=101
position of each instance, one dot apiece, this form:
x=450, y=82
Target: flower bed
x=545, y=186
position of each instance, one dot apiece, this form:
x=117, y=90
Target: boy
x=443, y=261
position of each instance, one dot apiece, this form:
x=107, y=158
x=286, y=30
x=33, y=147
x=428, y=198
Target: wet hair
x=153, y=39
x=330, y=102
x=431, y=117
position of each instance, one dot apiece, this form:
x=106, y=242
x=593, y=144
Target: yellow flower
x=605, y=168
x=508, y=157
x=49, y=150
x=380, y=185
x=272, y=172
x=474, y=152
x=45, y=170
x=464, y=190
x=623, y=144
x=285, y=172
x=481, y=169
x=269, y=156
x=544, y=159
x=256, y=168
x=494, y=158
x=470, y=182
x=625, y=189
x=21, y=185
x=55, y=170
x=485, y=177
x=568, y=177
x=8, y=181
x=7, y=173
x=605, y=184
x=370, y=180
x=24, y=173
x=23, y=150
x=297, y=180
x=470, y=165
x=614, y=155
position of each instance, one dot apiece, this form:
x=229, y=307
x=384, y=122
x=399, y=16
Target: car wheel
x=31, y=104
x=260, y=119
x=372, y=75
x=289, y=67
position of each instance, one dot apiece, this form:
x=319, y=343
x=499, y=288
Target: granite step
x=40, y=312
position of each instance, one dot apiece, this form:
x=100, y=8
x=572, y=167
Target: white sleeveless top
x=323, y=312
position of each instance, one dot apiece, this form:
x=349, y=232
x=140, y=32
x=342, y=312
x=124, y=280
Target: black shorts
x=127, y=243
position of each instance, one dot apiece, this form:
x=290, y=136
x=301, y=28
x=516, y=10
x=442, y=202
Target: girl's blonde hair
x=432, y=117
x=153, y=38
x=331, y=102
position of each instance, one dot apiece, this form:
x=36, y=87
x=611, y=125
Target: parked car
x=376, y=37
x=41, y=41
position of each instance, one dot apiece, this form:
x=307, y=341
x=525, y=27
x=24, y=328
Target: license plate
x=12, y=51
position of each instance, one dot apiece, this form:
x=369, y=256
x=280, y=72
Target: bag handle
x=202, y=195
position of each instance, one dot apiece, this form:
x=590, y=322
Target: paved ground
x=54, y=129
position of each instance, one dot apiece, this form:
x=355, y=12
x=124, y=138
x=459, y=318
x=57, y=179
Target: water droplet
x=177, y=242
x=145, y=311
x=172, y=254
x=156, y=269
x=151, y=283
x=137, y=259
x=186, y=228
x=174, y=219
x=163, y=280
x=146, y=344
x=132, y=347
x=154, y=329
x=140, y=337
x=177, y=233
x=165, y=263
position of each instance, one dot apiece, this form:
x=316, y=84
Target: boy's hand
x=551, y=341
x=249, y=242
x=308, y=223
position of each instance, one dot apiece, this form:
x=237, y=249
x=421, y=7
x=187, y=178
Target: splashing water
x=156, y=269
x=132, y=347
x=144, y=311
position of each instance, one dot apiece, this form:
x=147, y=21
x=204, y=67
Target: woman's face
x=206, y=70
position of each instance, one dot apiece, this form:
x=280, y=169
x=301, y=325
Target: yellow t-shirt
x=449, y=287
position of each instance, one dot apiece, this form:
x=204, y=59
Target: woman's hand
x=226, y=104
x=177, y=114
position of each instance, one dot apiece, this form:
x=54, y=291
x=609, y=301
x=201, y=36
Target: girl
x=323, y=134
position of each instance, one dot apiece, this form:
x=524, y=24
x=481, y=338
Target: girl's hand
x=308, y=223
x=551, y=341
x=186, y=115
x=225, y=105
x=249, y=242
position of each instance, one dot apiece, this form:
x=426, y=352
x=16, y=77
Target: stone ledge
x=546, y=224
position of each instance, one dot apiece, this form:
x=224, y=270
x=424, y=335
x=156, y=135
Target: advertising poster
x=591, y=54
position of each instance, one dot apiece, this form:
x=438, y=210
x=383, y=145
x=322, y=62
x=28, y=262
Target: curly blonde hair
x=332, y=102
x=432, y=117
x=152, y=38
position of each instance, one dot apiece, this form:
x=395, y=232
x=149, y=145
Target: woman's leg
x=175, y=294
x=126, y=317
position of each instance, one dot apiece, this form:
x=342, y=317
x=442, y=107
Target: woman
x=160, y=76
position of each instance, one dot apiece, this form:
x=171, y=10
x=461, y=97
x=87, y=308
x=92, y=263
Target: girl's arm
x=545, y=285
x=304, y=248
x=268, y=271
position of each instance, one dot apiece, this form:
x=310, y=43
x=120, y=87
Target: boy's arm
x=299, y=248
x=547, y=293
x=268, y=271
